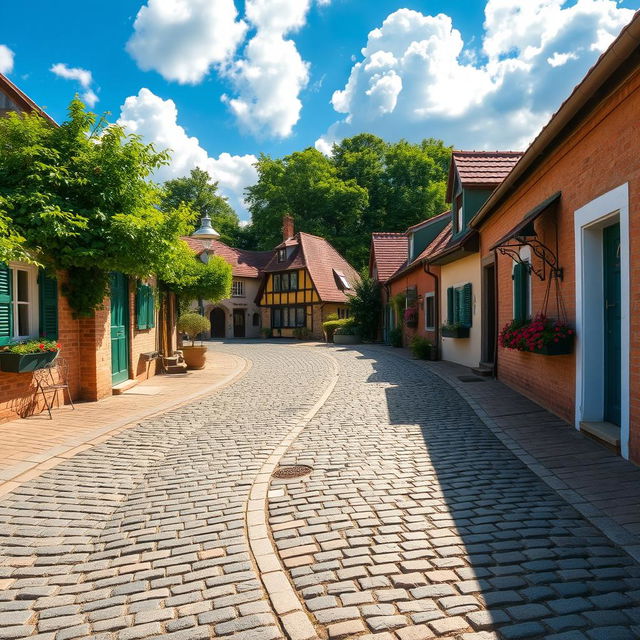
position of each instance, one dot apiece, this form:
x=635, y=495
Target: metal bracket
x=545, y=254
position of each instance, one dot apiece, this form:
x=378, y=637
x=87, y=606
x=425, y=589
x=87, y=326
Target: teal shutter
x=520, y=292
x=48, y=293
x=466, y=306
x=151, y=315
x=145, y=312
x=450, y=306
x=6, y=314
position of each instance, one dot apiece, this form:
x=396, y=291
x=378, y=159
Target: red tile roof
x=389, y=251
x=481, y=168
x=247, y=264
x=21, y=99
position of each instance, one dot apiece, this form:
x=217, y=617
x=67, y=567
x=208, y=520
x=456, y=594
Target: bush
x=302, y=333
x=395, y=337
x=330, y=325
x=421, y=348
x=351, y=329
x=366, y=307
x=193, y=324
x=267, y=332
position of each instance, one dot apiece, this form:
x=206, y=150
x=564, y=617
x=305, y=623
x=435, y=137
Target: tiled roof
x=247, y=264
x=390, y=251
x=21, y=99
x=414, y=227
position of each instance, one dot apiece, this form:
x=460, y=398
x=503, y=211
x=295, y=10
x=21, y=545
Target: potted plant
x=540, y=335
x=25, y=357
x=410, y=316
x=347, y=334
x=193, y=324
x=455, y=330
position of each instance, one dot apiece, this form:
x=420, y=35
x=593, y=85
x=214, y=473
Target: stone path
x=416, y=522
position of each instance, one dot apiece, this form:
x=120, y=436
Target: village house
x=305, y=281
x=104, y=353
x=562, y=236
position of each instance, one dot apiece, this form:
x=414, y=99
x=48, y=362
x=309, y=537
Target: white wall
x=465, y=351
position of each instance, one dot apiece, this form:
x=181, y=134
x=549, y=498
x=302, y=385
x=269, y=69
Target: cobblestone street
x=415, y=522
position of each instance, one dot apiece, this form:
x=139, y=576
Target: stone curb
x=616, y=533
x=73, y=446
x=284, y=598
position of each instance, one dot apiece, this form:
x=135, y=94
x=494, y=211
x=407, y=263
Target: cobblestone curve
x=417, y=522
x=144, y=535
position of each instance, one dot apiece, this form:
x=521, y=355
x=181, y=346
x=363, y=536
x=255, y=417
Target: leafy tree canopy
x=200, y=192
x=79, y=198
x=366, y=185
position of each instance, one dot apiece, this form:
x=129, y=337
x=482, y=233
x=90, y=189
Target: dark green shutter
x=141, y=307
x=520, y=291
x=450, y=306
x=48, y=291
x=466, y=307
x=151, y=315
x=6, y=315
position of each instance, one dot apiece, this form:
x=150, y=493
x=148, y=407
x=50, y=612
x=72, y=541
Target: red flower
x=41, y=346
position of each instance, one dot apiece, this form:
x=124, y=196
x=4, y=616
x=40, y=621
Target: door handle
x=609, y=305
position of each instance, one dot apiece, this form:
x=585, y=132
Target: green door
x=119, y=328
x=612, y=323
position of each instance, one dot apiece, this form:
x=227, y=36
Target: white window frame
x=427, y=296
x=33, y=302
x=237, y=289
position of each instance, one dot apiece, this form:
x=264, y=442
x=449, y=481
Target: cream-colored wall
x=247, y=302
x=465, y=351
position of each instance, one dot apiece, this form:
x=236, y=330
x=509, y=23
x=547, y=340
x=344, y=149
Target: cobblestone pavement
x=414, y=523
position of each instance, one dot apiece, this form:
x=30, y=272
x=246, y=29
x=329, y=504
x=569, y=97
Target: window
x=145, y=307
x=341, y=280
x=343, y=312
x=411, y=299
x=459, y=214
x=237, y=289
x=282, y=255
x=460, y=305
x=293, y=281
x=288, y=317
x=430, y=311
x=277, y=282
x=521, y=291
x=285, y=282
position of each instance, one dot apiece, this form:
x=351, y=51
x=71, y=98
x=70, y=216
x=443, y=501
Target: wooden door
x=119, y=328
x=239, y=316
x=612, y=324
x=218, y=321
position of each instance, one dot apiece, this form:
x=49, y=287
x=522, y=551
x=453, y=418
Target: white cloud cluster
x=156, y=121
x=183, y=39
x=6, y=59
x=82, y=76
x=416, y=79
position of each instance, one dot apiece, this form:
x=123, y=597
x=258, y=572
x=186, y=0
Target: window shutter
x=151, y=315
x=6, y=315
x=467, y=305
x=450, y=306
x=141, y=307
x=520, y=291
x=48, y=292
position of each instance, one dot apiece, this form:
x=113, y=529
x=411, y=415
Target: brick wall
x=599, y=156
x=141, y=340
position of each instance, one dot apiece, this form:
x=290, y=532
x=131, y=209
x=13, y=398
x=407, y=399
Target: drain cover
x=290, y=471
x=470, y=379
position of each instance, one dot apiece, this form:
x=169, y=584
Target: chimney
x=287, y=227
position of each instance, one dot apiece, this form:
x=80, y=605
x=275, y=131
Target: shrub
x=421, y=347
x=302, y=333
x=193, y=324
x=351, y=329
x=267, y=332
x=366, y=307
x=395, y=337
x=330, y=326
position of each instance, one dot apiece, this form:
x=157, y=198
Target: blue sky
x=223, y=82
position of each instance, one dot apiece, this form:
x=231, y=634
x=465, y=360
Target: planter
x=563, y=347
x=25, y=363
x=195, y=357
x=455, y=332
x=339, y=338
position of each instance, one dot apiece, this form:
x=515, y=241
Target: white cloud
x=6, y=59
x=183, y=39
x=416, y=79
x=156, y=121
x=82, y=76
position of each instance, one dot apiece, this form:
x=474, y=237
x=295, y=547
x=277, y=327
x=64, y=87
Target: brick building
x=567, y=218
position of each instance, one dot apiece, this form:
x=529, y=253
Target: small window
x=460, y=305
x=459, y=214
x=343, y=312
x=430, y=311
x=277, y=282
x=341, y=279
x=293, y=281
x=282, y=255
x=285, y=282
x=237, y=289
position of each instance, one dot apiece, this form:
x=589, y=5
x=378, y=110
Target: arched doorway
x=218, y=321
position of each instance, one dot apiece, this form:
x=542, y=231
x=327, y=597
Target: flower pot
x=25, y=363
x=339, y=338
x=563, y=347
x=195, y=357
x=455, y=332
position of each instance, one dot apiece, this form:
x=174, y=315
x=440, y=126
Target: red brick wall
x=598, y=157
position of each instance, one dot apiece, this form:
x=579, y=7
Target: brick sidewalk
x=30, y=446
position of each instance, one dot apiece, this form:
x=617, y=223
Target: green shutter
x=520, y=291
x=466, y=307
x=6, y=315
x=151, y=315
x=142, y=319
x=450, y=306
x=48, y=292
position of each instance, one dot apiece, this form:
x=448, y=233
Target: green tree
x=200, y=192
x=79, y=198
x=366, y=306
x=305, y=184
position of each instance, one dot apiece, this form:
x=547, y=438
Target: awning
x=526, y=228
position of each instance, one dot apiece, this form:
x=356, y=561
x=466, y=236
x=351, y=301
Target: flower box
x=25, y=363
x=563, y=347
x=455, y=332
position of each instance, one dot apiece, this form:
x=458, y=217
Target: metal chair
x=51, y=379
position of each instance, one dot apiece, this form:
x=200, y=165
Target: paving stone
x=345, y=629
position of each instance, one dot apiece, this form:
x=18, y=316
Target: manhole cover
x=290, y=471
x=470, y=379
